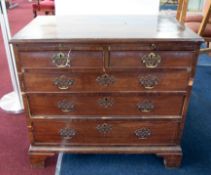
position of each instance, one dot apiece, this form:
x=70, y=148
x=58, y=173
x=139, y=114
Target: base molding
x=172, y=155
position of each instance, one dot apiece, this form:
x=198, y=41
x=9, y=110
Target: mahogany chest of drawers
x=106, y=84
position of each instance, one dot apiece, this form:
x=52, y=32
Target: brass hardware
x=106, y=102
x=145, y=106
x=153, y=46
x=67, y=133
x=105, y=80
x=60, y=46
x=104, y=128
x=61, y=60
x=190, y=82
x=148, y=81
x=151, y=60
x=66, y=106
x=63, y=82
x=143, y=133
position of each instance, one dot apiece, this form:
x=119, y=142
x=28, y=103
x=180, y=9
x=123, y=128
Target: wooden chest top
x=105, y=29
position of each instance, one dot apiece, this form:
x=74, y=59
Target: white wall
x=106, y=7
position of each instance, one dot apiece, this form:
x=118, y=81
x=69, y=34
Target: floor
x=14, y=141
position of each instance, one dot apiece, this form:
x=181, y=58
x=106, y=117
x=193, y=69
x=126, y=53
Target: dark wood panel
x=60, y=46
x=134, y=59
x=105, y=104
x=82, y=58
x=99, y=132
x=153, y=46
x=141, y=80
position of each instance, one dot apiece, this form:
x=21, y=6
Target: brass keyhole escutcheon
x=104, y=128
x=105, y=80
x=61, y=60
x=105, y=102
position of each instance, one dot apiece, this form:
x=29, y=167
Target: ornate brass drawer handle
x=143, y=133
x=106, y=102
x=145, y=106
x=67, y=133
x=151, y=60
x=61, y=60
x=104, y=128
x=63, y=83
x=105, y=80
x=66, y=106
x=149, y=81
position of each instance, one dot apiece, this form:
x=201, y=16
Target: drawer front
x=145, y=80
x=61, y=59
x=147, y=59
x=154, y=46
x=105, y=104
x=113, y=132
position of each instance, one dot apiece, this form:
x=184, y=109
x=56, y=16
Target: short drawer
x=133, y=81
x=61, y=59
x=105, y=132
x=105, y=104
x=151, y=59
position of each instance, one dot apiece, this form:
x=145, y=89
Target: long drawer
x=105, y=104
x=139, y=80
x=148, y=59
x=99, y=132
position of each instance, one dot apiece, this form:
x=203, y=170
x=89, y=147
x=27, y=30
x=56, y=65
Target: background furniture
x=88, y=89
x=46, y=6
x=196, y=17
x=203, y=27
x=182, y=10
x=200, y=24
